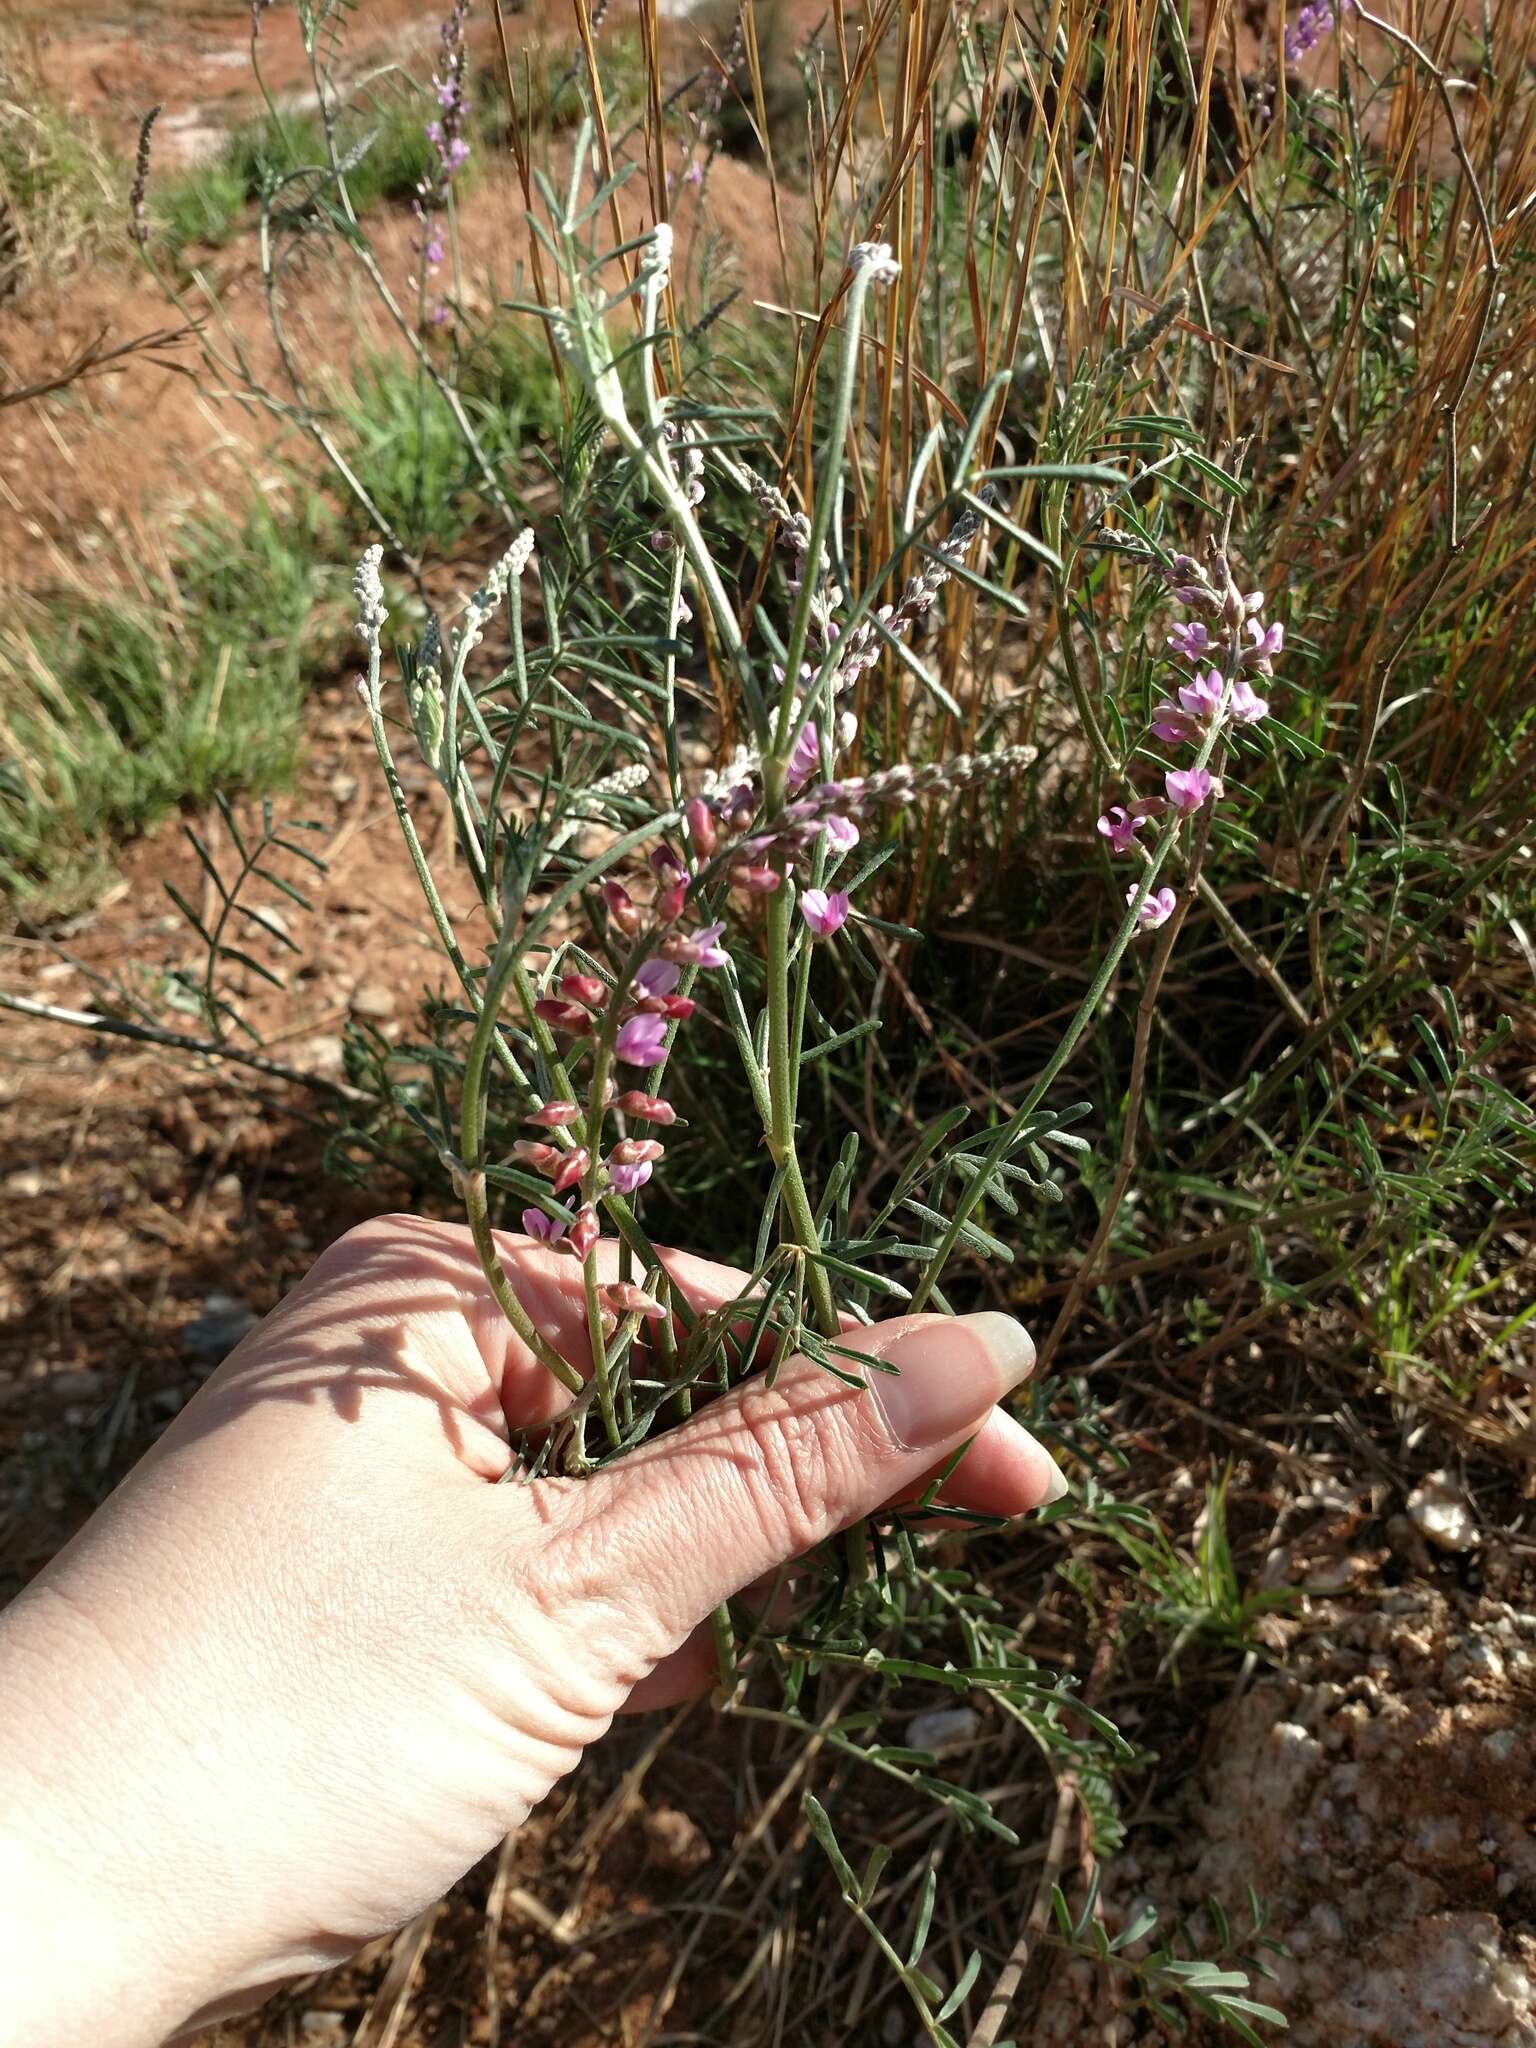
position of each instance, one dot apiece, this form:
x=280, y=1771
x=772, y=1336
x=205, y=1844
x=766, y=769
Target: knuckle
x=795, y=1466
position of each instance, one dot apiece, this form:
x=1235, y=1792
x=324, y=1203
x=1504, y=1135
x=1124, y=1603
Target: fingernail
x=949, y=1371
x=1057, y=1487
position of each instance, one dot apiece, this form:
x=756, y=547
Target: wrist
x=85, y=1953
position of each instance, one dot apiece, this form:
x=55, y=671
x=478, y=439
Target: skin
x=309, y=1663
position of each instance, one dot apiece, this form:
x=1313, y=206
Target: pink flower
x=1170, y=723
x=1190, y=640
x=804, y=755
x=699, y=949
x=628, y=1178
x=823, y=913
x=550, y=1228
x=658, y=977
x=1203, y=698
x=694, y=175
x=1245, y=705
x=1187, y=789
x=1120, y=827
x=840, y=833
x=642, y=1041
x=1267, y=643
x=1158, y=908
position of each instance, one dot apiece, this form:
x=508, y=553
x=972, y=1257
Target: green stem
x=602, y=1058
x=1007, y=1137
x=781, y=1106
x=826, y=503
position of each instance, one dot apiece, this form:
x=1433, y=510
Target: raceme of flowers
x=1315, y=21
x=1223, y=646
x=449, y=144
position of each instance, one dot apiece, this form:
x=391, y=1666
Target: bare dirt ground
x=1378, y=1789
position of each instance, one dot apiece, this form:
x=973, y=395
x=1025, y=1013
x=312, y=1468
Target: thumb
x=766, y=1473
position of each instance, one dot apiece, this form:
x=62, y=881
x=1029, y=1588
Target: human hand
x=309, y=1663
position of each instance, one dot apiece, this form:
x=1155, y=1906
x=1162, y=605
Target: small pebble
x=373, y=999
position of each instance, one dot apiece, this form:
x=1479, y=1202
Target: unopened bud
x=542, y=1158
x=636, y=1152
x=572, y=1167
x=648, y=1108
x=702, y=833
x=621, y=908
x=554, y=1116
x=629, y=1300
x=584, y=988
x=584, y=1232
x=563, y=1016
x=759, y=881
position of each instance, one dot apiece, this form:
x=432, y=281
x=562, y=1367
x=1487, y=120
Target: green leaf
x=821, y=1827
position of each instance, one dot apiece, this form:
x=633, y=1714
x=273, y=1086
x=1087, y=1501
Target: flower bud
x=584, y=988
x=700, y=821
x=669, y=902
x=621, y=908
x=542, y=1158
x=680, y=1007
x=554, y=1116
x=636, y=1152
x=572, y=1167
x=756, y=880
x=649, y=1108
x=626, y=1299
x=564, y=1016
x=666, y=867
x=585, y=1231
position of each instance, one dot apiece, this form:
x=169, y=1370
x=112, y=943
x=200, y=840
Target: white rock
x=1441, y=1513
x=942, y=1727
x=373, y=999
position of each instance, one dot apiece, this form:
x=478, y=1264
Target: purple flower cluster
x=449, y=144
x=648, y=1006
x=1315, y=21
x=1223, y=644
